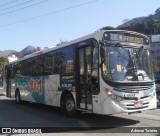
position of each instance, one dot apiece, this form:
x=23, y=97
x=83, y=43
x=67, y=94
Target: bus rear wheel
x=70, y=108
x=18, y=97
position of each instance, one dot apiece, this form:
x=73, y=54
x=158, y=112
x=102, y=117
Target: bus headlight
x=109, y=92
x=113, y=96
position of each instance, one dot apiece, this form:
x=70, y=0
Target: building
x=155, y=50
x=12, y=58
x=155, y=47
x=10, y=55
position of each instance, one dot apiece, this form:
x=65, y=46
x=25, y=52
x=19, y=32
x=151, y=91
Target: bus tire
x=18, y=97
x=70, y=107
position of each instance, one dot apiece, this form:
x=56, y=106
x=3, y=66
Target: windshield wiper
x=130, y=68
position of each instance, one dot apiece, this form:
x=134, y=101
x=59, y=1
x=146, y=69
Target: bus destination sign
x=125, y=37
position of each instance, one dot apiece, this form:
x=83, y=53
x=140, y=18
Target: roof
x=81, y=39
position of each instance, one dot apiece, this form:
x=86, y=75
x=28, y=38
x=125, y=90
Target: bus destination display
x=125, y=37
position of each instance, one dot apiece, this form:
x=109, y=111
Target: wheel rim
x=69, y=105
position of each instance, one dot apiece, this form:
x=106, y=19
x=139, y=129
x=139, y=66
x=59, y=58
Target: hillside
x=28, y=50
x=155, y=17
x=147, y=25
x=24, y=52
x=6, y=53
x=134, y=20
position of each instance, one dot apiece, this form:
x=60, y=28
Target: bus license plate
x=138, y=104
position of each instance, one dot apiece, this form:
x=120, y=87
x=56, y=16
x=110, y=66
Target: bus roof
x=96, y=34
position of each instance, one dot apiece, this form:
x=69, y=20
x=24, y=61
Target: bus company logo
x=35, y=86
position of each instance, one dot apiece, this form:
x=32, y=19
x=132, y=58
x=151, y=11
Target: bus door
x=8, y=82
x=84, y=70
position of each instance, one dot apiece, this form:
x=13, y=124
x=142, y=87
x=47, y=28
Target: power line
x=47, y=14
x=16, y=5
x=23, y=8
x=8, y=3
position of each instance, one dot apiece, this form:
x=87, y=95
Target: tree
x=3, y=62
x=155, y=66
x=157, y=11
x=125, y=21
x=38, y=48
x=107, y=28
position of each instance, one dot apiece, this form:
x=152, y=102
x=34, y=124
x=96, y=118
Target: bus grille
x=131, y=106
x=129, y=102
x=137, y=108
x=136, y=99
x=133, y=89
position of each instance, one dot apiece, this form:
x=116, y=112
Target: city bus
x=106, y=72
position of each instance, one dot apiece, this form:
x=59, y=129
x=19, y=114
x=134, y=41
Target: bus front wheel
x=70, y=107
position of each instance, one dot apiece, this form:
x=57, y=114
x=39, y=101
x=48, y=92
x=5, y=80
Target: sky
x=44, y=23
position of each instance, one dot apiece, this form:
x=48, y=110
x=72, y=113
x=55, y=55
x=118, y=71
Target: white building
x=12, y=58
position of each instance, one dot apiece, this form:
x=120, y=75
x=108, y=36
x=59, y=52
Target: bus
x=106, y=72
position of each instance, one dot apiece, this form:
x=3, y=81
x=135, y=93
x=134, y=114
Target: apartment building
x=155, y=47
x=155, y=50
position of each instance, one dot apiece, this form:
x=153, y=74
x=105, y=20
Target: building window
x=152, y=51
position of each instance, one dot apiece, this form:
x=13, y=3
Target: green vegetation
x=146, y=27
x=156, y=67
x=3, y=62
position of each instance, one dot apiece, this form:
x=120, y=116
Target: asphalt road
x=36, y=115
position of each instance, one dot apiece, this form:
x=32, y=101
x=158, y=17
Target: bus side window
x=48, y=63
x=37, y=66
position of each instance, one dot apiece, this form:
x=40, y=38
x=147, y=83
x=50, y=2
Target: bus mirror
x=102, y=52
x=141, y=50
x=101, y=43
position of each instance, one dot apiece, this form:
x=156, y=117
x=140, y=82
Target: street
x=36, y=115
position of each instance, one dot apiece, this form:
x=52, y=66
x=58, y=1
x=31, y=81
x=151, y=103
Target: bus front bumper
x=128, y=106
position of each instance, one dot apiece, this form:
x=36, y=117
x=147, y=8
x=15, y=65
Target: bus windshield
x=127, y=64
